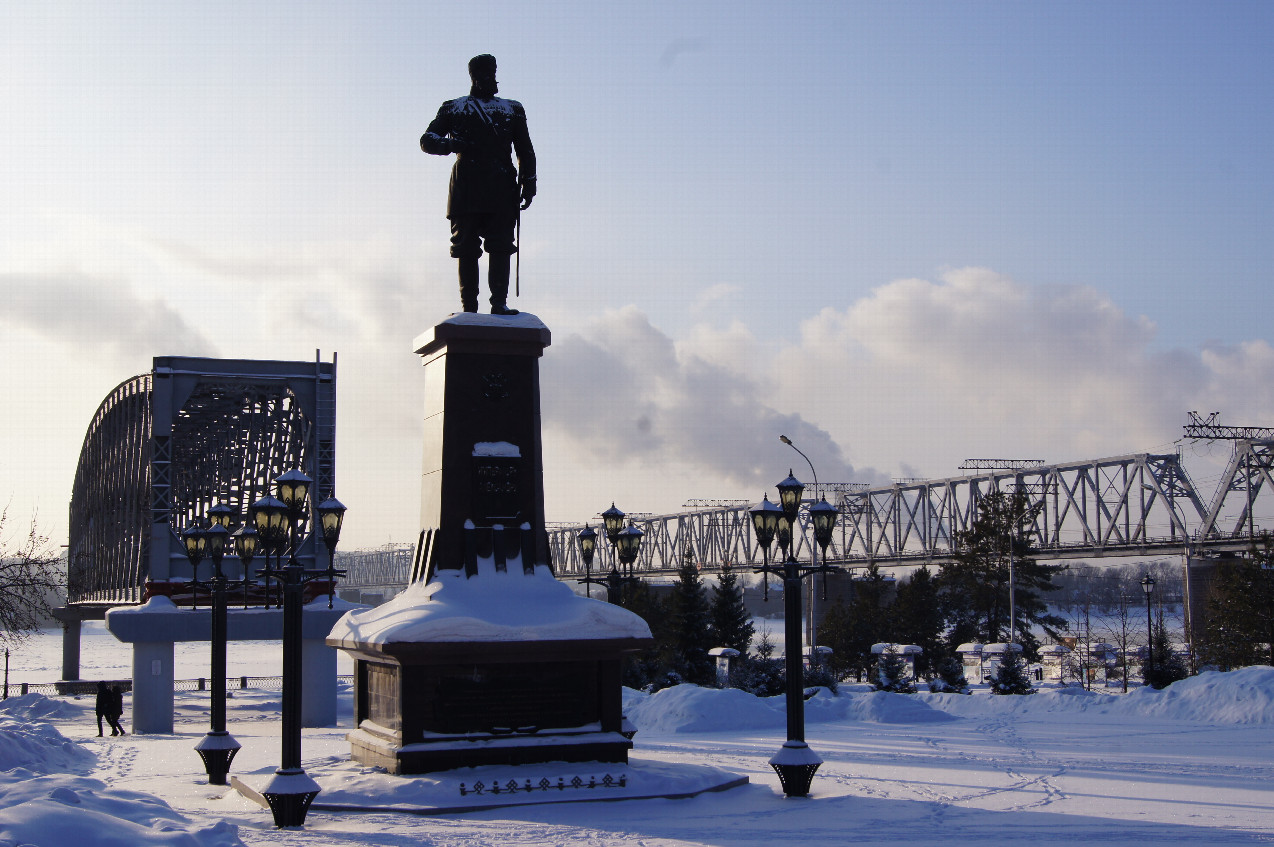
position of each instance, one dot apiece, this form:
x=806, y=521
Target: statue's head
x=482, y=72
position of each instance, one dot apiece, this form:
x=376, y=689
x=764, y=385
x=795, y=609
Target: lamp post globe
x=215, y=538
x=245, y=540
x=629, y=544
x=790, y=491
x=823, y=516
x=221, y=515
x=613, y=523
x=195, y=542
x=270, y=516
x=783, y=532
x=765, y=522
x=587, y=540
x=293, y=487
x=331, y=515
x=587, y=545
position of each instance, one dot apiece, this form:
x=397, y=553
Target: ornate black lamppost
x=290, y=791
x=1148, y=586
x=765, y=523
x=587, y=548
x=246, y=539
x=628, y=545
x=613, y=525
x=795, y=763
x=218, y=747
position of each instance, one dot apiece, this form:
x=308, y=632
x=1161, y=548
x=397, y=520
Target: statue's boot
x=498, y=279
x=469, y=284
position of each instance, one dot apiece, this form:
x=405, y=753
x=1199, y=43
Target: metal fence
x=79, y=687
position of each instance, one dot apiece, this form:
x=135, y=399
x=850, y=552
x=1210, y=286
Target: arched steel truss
x=165, y=446
x=1141, y=504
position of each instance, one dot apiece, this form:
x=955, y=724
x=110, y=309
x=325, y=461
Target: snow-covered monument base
x=486, y=658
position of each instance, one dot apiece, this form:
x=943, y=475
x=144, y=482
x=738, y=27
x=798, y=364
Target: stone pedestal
x=482, y=453
x=486, y=658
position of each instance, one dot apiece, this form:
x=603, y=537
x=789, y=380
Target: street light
x=331, y=514
x=218, y=747
x=587, y=548
x=765, y=523
x=628, y=544
x=246, y=539
x=290, y=791
x=1148, y=586
x=795, y=763
x=270, y=516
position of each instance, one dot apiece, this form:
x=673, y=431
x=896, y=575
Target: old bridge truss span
x=1139, y=504
x=165, y=446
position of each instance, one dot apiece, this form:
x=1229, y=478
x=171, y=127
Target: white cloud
x=625, y=395
x=979, y=365
x=97, y=316
x=714, y=294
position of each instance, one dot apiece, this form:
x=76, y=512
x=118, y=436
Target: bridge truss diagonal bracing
x=1138, y=504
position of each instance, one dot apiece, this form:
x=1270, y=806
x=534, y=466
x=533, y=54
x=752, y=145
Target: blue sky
x=904, y=234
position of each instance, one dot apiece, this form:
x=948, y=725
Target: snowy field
x=1192, y=764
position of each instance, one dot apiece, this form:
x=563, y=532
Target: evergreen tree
x=1240, y=610
x=836, y=631
x=892, y=674
x=1168, y=666
x=870, y=619
x=645, y=668
x=950, y=677
x=918, y=620
x=760, y=673
x=975, y=586
x=731, y=624
x=1011, y=676
x=689, y=621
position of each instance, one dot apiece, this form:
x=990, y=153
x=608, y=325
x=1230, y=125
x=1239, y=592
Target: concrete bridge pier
x=153, y=629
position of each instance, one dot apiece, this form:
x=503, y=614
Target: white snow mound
x=38, y=747
x=492, y=606
x=689, y=708
x=1243, y=696
x=57, y=811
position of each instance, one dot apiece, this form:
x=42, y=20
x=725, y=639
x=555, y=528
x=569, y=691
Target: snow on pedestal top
x=491, y=606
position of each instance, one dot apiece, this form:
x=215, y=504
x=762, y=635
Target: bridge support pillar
x=153, y=676
x=153, y=687
x=318, y=682
x=71, y=648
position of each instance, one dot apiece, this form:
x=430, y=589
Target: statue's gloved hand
x=459, y=144
x=528, y=193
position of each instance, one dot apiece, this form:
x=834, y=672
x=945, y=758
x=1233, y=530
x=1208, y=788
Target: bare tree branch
x=30, y=577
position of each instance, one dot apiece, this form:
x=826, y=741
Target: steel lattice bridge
x=1134, y=505
x=167, y=445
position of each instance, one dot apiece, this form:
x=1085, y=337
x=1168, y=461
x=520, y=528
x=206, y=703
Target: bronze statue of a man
x=486, y=192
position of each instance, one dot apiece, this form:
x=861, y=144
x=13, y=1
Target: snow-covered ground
x=1191, y=764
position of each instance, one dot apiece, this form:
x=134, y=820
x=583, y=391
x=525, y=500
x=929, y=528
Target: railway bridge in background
x=1140, y=504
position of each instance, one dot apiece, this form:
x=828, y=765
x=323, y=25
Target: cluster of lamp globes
x=273, y=522
x=770, y=520
x=625, y=539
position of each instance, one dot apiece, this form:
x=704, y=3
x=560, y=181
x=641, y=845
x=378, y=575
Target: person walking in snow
x=103, y=707
x=116, y=710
